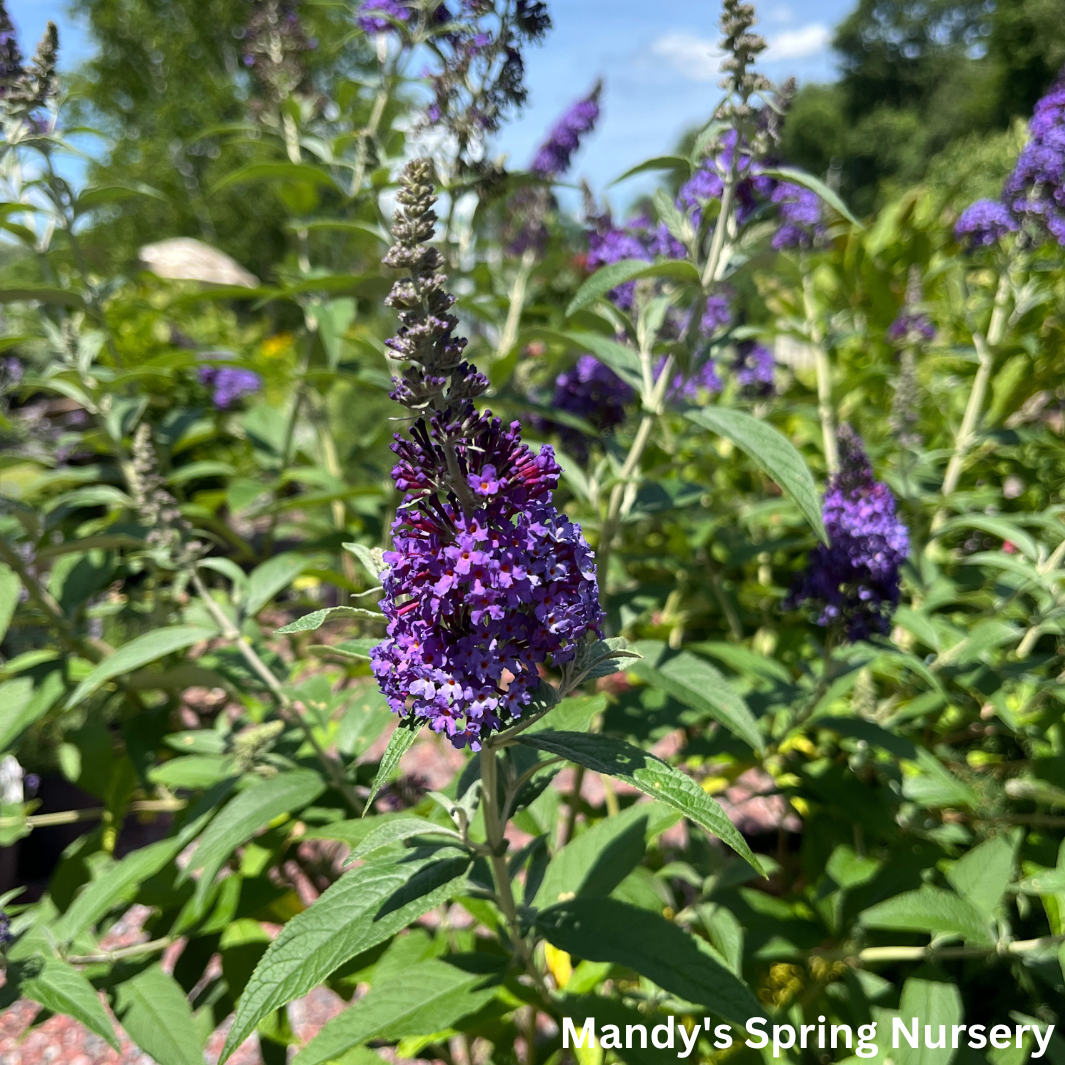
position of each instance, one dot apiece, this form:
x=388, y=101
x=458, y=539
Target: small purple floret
x=230, y=383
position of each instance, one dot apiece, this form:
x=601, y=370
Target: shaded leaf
x=616, y=758
x=609, y=277
x=398, y=745
x=772, y=452
x=158, y=1018
x=59, y=987
x=598, y=929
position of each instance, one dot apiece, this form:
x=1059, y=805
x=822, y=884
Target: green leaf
x=400, y=829
x=659, y=162
x=427, y=997
x=697, y=684
x=301, y=172
x=371, y=558
x=250, y=811
x=265, y=581
x=106, y=195
x=10, y=586
x=598, y=929
x=601, y=857
x=122, y=878
x=363, y=908
x=59, y=987
x=982, y=875
x=358, y=649
x=933, y=1003
x=932, y=910
x=619, y=357
x=139, y=652
x=770, y=450
x=616, y=758
x=158, y=1018
x=1050, y=882
x=42, y=294
x=808, y=181
x=315, y=620
x=609, y=277
x=398, y=745
x=16, y=698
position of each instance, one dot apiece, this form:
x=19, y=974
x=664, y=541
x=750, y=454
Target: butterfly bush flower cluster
x=274, y=45
x=1035, y=191
x=524, y=226
x=983, y=223
x=229, y=384
x=25, y=89
x=753, y=368
x=486, y=581
x=556, y=153
x=592, y=391
x=801, y=216
x=854, y=582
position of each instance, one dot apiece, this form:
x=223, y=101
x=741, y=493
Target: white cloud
x=698, y=59
x=800, y=43
x=695, y=58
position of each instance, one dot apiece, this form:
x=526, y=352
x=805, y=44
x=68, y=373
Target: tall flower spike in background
x=910, y=331
x=854, y=582
x=487, y=582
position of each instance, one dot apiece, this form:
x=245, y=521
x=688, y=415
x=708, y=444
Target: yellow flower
x=277, y=345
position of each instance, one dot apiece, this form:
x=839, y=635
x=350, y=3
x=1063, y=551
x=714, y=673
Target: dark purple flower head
x=754, y=368
x=11, y=372
x=380, y=16
x=229, y=383
x=1035, y=191
x=478, y=598
x=753, y=187
x=983, y=223
x=6, y=938
x=801, y=216
x=555, y=154
x=854, y=582
x=590, y=391
x=717, y=315
x=487, y=582
x=911, y=327
x=31, y=783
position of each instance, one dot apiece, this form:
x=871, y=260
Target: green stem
x=970, y=419
x=825, y=411
x=517, y=304
x=334, y=770
x=872, y=955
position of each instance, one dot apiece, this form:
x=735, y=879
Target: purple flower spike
x=554, y=157
x=911, y=328
x=983, y=223
x=1035, y=191
x=854, y=582
x=487, y=582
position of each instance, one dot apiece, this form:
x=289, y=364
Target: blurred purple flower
x=801, y=216
x=230, y=383
x=380, y=16
x=754, y=367
x=911, y=328
x=1035, y=191
x=555, y=154
x=854, y=582
x=983, y=223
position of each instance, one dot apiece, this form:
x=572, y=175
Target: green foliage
x=187, y=591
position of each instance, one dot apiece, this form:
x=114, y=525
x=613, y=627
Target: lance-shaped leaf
x=121, y=880
x=363, y=908
x=800, y=177
x=697, y=684
x=139, y=652
x=400, y=829
x=10, y=588
x=428, y=997
x=598, y=929
x=316, y=619
x=158, y=1018
x=771, y=450
x=398, y=745
x=616, y=758
x=265, y=581
x=930, y=910
x=932, y=1003
x=609, y=277
x=250, y=811
x=59, y=987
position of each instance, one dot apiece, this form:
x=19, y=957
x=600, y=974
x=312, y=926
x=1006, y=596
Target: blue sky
x=657, y=61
